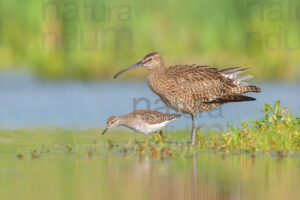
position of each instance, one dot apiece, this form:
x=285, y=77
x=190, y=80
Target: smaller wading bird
x=142, y=121
x=192, y=89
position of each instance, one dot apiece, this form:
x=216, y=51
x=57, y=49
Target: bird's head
x=150, y=61
x=113, y=121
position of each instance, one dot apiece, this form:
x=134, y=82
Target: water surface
x=63, y=168
x=27, y=102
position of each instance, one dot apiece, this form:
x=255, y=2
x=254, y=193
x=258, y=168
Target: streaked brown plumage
x=192, y=89
x=143, y=121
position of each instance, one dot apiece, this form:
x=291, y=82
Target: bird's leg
x=157, y=134
x=146, y=141
x=160, y=135
x=194, y=129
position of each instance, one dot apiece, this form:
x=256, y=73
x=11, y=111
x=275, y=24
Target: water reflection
x=199, y=176
x=205, y=176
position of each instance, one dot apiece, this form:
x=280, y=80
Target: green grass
x=278, y=131
x=258, y=160
x=231, y=33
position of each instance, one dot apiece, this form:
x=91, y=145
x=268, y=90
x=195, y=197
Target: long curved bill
x=128, y=68
x=104, y=131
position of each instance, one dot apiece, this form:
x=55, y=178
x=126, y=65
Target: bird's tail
x=233, y=74
x=242, y=87
x=246, y=88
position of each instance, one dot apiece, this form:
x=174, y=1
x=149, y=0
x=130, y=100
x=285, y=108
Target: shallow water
x=198, y=177
x=28, y=102
x=64, y=169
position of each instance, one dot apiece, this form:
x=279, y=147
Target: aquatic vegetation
x=277, y=133
x=252, y=160
x=278, y=130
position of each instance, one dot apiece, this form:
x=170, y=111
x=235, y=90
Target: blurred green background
x=58, y=39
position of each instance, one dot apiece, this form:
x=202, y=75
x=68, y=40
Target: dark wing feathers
x=233, y=98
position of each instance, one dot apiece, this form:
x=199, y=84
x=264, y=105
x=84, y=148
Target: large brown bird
x=193, y=89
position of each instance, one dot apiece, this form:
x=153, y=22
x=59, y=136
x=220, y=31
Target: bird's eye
x=150, y=59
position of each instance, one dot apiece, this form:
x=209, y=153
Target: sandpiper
x=192, y=89
x=142, y=121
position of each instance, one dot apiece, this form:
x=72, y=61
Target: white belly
x=149, y=128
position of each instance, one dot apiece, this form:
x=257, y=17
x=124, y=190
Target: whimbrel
x=192, y=89
x=142, y=121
